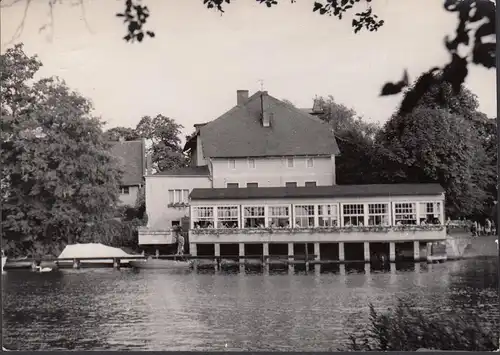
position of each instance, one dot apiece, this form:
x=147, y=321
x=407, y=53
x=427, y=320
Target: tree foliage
x=57, y=173
x=164, y=135
x=356, y=140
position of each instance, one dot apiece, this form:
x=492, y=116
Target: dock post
x=392, y=252
x=366, y=249
x=429, y=252
x=76, y=263
x=217, y=255
x=265, y=256
x=241, y=256
x=341, y=252
x=116, y=263
x=416, y=251
x=290, y=256
x=317, y=252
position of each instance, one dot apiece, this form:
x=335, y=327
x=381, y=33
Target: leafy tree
x=57, y=175
x=475, y=31
x=355, y=138
x=164, y=133
x=128, y=134
x=434, y=145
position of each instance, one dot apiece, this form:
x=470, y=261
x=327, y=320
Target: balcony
x=318, y=234
x=155, y=236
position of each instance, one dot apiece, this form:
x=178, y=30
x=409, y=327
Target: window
x=124, y=190
x=354, y=215
x=203, y=217
x=404, y=213
x=232, y=164
x=328, y=215
x=289, y=162
x=429, y=213
x=227, y=217
x=310, y=162
x=279, y=217
x=254, y=217
x=251, y=163
x=252, y=184
x=290, y=184
x=310, y=183
x=232, y=185
x=178, y=196
x=378, y=214
x=304, y=216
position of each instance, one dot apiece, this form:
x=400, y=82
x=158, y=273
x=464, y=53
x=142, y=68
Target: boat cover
x=92, y=250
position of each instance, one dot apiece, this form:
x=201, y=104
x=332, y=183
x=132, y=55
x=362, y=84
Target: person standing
x=487, y=227
x=180, y=240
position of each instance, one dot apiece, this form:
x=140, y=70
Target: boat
x=42, y=269
x=4, y=259
x=160, y=264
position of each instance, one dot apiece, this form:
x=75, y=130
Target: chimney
x=267, y=115
x=241, y=97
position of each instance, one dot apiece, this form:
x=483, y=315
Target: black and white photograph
x=249, y=175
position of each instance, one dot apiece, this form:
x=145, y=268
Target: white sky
x=198, y=60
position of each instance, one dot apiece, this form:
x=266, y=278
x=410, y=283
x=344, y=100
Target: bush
x=406, y=328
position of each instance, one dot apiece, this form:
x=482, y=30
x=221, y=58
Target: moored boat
x=160, y=264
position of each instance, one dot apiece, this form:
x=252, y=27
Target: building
x=263, y=181
x=132, y=156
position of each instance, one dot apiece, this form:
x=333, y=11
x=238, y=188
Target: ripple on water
x=157, y=310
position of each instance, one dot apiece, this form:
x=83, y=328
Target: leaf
x=317, y=6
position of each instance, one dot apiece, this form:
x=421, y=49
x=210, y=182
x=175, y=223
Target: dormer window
x=232, y=164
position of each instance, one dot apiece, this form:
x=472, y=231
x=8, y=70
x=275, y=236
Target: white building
x=263, y=176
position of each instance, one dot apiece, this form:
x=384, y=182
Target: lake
x=106, y=309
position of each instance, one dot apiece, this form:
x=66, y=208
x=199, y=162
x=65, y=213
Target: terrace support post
x=290, y=256
x=241, y=254
x=116, y=263
x=416, y=251
x=76, y=264
x=366, y=249
x=217, y=255
x=392, y=252
x=317, y=252
x=265, y=255
x=429, y=252
x=341, y=252
x=192, y=249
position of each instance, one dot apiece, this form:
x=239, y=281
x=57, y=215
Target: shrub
x=406, y=328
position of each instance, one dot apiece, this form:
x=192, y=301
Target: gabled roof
x=240, y=133
x=132, y=157
x=186, y=171
x=382, y=190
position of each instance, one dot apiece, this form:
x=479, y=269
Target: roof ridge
x=298, y=110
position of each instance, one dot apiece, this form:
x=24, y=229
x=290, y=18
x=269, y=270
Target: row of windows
x=290, y=163
x=178, y=196
x=256, y=184
x=308, y=216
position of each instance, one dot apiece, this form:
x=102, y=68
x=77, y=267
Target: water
x=163, y=310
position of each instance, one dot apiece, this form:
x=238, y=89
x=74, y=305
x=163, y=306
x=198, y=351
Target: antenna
x=261, y=82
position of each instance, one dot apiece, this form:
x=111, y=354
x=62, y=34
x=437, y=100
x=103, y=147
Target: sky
x=191, y=70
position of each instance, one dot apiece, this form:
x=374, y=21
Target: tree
x=474, y=31
x=164, y=133
x=116, y=133
x=434, y=145
x=57, y=174
x=355, y=138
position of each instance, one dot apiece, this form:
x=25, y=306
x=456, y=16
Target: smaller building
x=348, y=218
x=132, y=155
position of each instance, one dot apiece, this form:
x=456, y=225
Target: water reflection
x=230, y=309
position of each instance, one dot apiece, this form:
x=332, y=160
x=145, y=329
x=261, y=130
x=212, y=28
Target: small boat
x=42, y=269
x=160, y=264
